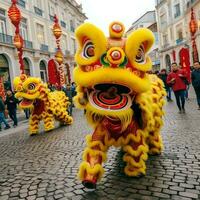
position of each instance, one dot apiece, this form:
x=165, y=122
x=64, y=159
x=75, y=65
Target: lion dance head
x=111, y=71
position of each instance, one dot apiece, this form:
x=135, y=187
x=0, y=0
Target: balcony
x=6, y=39
x=28, y=44
x=72, y=29
x=63, y=24
x=44, y=47
x=21, y=3
x=38, y=11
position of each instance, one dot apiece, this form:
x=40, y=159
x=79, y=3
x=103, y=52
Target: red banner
x=53, y=73
x=185, y=61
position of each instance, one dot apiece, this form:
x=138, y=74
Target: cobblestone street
x=45, y=166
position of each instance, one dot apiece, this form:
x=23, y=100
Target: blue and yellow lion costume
x=44, y=105
x=122, y=101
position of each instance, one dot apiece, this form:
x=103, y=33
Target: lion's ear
x=137, y=45
x=92, y=44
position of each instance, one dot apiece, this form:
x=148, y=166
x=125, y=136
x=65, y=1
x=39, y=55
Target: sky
x=103, y=12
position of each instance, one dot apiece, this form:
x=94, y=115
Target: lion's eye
x=88, y=49
x=31, y=86
x=140, y=57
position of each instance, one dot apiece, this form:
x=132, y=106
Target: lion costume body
x=122, y=102
x=45, y=105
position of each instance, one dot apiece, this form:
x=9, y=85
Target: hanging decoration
x=57, y=31
x=193, y=29
x=15, y=17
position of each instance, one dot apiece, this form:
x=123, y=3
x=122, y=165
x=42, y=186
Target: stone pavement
x=45, y=166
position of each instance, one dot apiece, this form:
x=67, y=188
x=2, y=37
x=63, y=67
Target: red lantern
x=18, y=41
x=59, y=57
x=193, y=24
x=56, y=28
x=14, y=14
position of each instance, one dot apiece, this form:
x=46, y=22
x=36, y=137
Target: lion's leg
x=94, y=155
x=34, y=124
x=155, y=143
x=154, y=140
x=64, y=118
x=48, y=121
x=136, y=154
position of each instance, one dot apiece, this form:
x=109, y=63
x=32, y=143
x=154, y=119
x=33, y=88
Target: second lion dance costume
x=44, y=105
x=122, y=102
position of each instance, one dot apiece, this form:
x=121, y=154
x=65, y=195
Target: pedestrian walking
x=69, y=94
x=196, y=81
x=163, y=77
x=177, y=79
x=11, y=103
x=27, y=113
x=2, y=116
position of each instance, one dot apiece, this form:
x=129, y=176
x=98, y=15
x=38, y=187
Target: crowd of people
x=178, y=81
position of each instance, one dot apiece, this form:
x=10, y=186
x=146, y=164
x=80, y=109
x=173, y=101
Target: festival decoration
x=123, y=103
x=45, y=105
x=15, y=17
x=59, y=55
x=193, y=29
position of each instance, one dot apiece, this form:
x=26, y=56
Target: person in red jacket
x=177, y=79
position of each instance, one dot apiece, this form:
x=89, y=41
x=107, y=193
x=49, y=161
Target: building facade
x=148, y=20
x=175, y=42
x=36, y=30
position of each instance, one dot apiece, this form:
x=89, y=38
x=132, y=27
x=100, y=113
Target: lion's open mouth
x=110, y=97
x=26, y=102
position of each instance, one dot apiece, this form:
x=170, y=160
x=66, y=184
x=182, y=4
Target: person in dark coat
x=11, y=103
x=163, y=77
x=196, y=81
x=2, y=116
x=69, y=94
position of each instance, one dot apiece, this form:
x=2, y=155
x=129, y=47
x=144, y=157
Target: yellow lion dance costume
x=45, y=105
x=122, y=102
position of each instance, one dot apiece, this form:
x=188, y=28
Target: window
x=163, y=21
x=177, y=10
x=43, y=71
x=165, y=40
x=24, y=29
x=38, y=7
x=64, y=42
x=38, y=3
x=73, y=50
x=72, y=28
x=40, y=33
x=51, y=11
x=2, y=22
x=22, y=3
